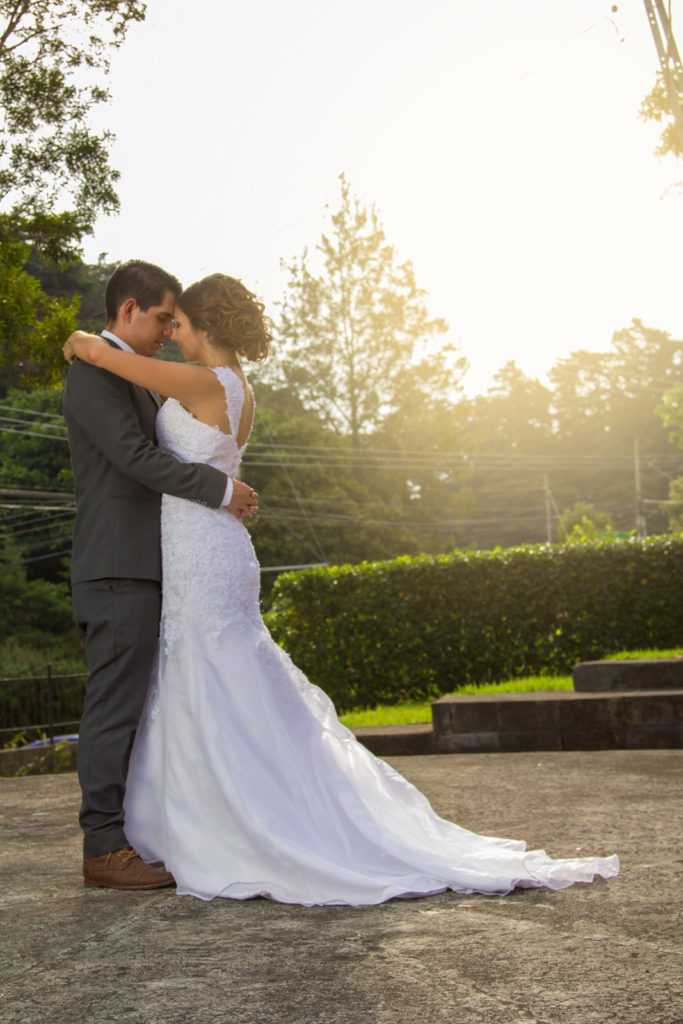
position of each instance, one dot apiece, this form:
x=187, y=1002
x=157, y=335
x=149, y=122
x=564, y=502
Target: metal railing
x=40, y=707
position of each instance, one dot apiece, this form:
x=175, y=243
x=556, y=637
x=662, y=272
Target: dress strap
x=234, y=396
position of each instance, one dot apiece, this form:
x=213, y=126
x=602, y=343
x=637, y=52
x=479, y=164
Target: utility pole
x=548, y=519
x=641, y=524
x=669, y=60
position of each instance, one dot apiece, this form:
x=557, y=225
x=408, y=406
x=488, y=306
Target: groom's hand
x=244, y=501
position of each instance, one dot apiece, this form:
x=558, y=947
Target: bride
x=242, y=779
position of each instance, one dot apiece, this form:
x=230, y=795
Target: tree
x=656, y=107
x=356, y=340
x=670, y=411
x=582, y=522
x=88, y=281
x=312, y=506
x=674, y=507
x=33, y=326
x=514, y=414
x=34, y=451
x=511, y=446
x=603, y=402
x=54, y=55
x=36, y=481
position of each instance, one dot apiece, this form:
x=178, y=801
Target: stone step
x=558, y=720
x=628, y=674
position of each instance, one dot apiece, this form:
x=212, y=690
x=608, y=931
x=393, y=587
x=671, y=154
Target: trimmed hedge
x=415, y=628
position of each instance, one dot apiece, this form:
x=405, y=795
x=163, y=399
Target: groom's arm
x=101, y=406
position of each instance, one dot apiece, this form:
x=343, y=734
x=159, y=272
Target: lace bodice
x=210, y=571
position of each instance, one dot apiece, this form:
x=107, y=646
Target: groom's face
x=149, y=327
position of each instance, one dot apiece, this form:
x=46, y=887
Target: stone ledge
x=558, y=720
x=12, y=761
x=393, y=740
x=629, y=674
x=511, y=722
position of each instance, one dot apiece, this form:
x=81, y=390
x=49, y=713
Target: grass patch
x=413, y=714
x=530, y=684
x=675, y=652
x=388, y=714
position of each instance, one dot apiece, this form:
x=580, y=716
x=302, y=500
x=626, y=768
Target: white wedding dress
x=242, y=779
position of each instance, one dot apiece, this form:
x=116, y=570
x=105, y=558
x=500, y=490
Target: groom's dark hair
x=144, y=282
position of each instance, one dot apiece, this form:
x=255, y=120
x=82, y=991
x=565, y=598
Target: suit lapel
x=154, y=396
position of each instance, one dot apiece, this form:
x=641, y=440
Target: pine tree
x=356, y=340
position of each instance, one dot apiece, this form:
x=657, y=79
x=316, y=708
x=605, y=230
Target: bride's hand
x=80, y=345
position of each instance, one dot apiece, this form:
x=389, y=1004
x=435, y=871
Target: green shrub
x=30, y=657
x=415, y=628
x=33, y=606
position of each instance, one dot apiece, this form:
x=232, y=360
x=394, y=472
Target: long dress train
x=242, y=780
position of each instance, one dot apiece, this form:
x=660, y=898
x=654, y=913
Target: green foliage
x=579, y=433
x=670, y=412
x=36, y=520
x=315, y=504
x=37, y=630
x=30, y=658
x=515, y=414
x=34, y=612
x=582, y=522
x=88, y=281
x=408, y=713
x=47, y=760
x=649, y=652
x=415, y=628
x=54, y=56
x=34, y=452
x=603, y=401
x=675, y=505
x=33, y=325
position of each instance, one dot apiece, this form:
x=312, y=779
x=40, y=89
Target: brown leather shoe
x=124, y=869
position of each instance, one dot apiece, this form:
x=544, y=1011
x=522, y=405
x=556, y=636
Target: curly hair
x=230, y=314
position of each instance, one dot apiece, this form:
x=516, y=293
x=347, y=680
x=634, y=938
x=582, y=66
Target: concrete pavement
x=608, y=952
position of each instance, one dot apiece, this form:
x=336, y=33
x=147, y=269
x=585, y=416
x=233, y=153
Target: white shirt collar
x=122, y=344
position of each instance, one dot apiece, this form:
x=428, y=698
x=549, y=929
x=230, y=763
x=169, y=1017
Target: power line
x=25, y=422
x=34, y=433
x=31, y=412
x=36, y=558
x=333, y=457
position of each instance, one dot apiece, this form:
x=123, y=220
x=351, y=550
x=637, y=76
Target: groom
x=119, y=476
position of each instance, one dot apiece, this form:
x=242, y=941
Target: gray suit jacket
x=120, y=475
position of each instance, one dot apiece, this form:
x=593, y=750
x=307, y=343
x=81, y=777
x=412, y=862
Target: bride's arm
x=183, y=381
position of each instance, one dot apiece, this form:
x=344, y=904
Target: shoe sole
x=130, y=888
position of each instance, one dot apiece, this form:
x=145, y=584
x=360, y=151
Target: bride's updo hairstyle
x=230, y=314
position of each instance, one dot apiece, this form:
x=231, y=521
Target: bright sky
x=499, y=139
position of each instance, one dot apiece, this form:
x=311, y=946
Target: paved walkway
x=608, y=952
